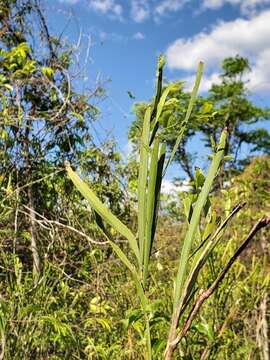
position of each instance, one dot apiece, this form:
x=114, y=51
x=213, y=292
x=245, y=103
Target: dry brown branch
x=180, y=308
x=205, y=294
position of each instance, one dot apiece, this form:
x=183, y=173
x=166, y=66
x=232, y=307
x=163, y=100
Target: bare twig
x=65, y=99
x=54, y=222
x=45, y=29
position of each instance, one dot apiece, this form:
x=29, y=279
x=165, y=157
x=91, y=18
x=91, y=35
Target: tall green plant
x=227, y=102
x=152, y=168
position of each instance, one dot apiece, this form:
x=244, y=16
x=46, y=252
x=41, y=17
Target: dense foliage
x=65, y=293
x=227, y=103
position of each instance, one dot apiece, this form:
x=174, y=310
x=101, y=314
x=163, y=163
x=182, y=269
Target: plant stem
x=205, y=294
x=148, y=340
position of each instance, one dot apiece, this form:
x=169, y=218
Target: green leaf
x=207, y=108
x=228, y=158
x=187, y=202
x=209, y=227
x=8, y=87
x=142, y=181
x=102, y=210
x=205, y=329
x=202, y=255
x=188, y=113
x=78, y=116
x=133, y=271
x=162, y=101
x=199, y=178
x=194, y=222
x=152, y=198
x=131, y=317
x=47, y=71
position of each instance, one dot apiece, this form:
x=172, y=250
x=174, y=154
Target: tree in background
x=44, y=120
x=227, y=103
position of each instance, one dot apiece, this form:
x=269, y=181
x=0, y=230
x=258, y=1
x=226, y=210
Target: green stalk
x=142, y=182
x=161, y=63
x=148, y=340
x=150, y=210
x=161, y=161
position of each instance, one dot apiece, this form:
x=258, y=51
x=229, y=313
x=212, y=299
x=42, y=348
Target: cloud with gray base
x=245, y=37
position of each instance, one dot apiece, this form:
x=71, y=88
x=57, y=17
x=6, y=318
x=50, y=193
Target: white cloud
x=213, y=4
x=106, y=7
x=247, y=7
x=249, y=38
x=260, y=75
x=138, y=36
x=166, y=6
x=128, y=149
x=111, y=36
x=170, y=188
x=206, y=83
x=140, y=10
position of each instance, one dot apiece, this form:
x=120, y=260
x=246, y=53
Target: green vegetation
x=226, y=103
x=104, y=267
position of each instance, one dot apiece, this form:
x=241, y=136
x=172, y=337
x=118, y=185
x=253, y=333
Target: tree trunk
x=262, y=336
x=32, y=214
x=33, y=232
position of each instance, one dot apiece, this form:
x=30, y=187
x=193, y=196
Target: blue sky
x=126, y=37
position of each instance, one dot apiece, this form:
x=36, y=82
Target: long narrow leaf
x=159, y=75
x=188, y=113
x=133, y=271
x=156, y=201
x=203, y=255
x=161, y=161
x=162, y=101
x=161, y=63
x=102, y=210
x=151, y=199
x=196, y=217
x=121, y=255
x=142, y=182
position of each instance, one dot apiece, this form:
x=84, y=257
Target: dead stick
x=263, y=222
